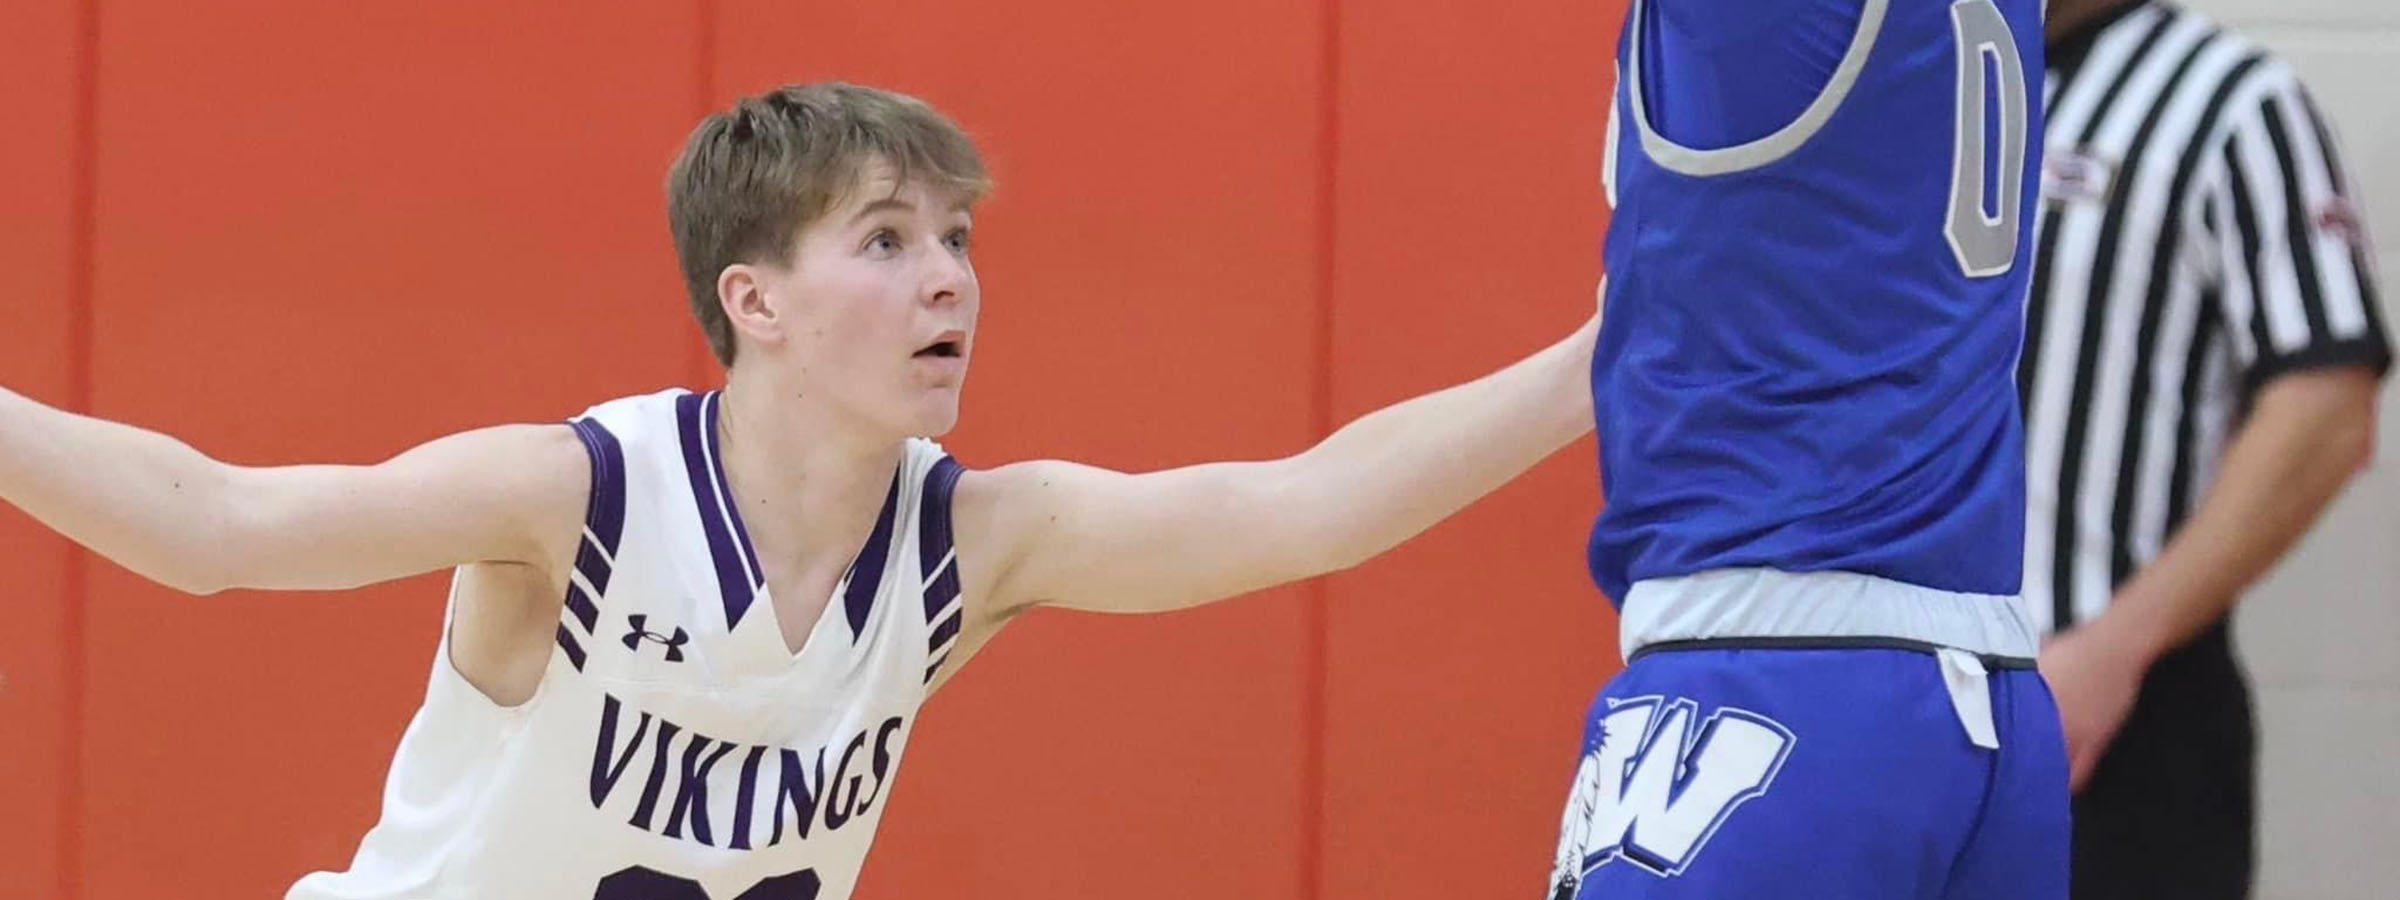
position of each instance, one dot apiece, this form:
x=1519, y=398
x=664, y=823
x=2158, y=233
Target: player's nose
x=949, y=278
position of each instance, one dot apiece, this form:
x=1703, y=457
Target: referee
x=2202, y=354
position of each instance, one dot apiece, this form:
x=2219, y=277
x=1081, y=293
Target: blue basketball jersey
x=1816, y=274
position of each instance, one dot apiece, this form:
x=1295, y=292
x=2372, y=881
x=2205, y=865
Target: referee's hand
x=2095, y=679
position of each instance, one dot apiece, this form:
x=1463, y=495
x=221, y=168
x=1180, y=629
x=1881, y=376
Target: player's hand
x=2095, y=677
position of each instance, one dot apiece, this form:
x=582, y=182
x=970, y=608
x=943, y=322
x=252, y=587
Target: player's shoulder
x=979, y=496
x=577, y=468
x=496, y=456
x=636, y=415
x=1001, y=512
x=1022, y=488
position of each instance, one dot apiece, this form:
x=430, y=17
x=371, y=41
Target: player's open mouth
x=950, y=344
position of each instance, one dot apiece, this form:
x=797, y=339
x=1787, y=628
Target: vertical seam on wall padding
x=699, y=360
x=1315, y=612
x=704, y=62
x=82, y=263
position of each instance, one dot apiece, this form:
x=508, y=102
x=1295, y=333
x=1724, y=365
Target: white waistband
x=1767, y=603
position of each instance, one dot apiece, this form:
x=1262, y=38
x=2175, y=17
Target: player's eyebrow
x=887, y=204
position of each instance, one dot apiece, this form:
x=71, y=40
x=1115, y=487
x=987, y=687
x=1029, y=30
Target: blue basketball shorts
x=1794, y=767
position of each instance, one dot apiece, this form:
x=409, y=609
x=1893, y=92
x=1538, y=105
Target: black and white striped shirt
x=2194, y=241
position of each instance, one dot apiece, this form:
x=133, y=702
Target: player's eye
x=884, y=241
x=959, y=240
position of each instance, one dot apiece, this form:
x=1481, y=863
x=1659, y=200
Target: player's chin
x=936, y=413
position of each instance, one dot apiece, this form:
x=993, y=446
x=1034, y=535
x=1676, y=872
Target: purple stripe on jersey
x=573, y=647
x=604, y=518
x=733, y=511
x=866, y=572
x=593, y=565
x=933, y=540
x=733, y=577
x=581, y=605
x=942, y=633
x=604, y=514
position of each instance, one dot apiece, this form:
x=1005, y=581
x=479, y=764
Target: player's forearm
x=1394, y=473
x=2277, y=476
x=143, y=499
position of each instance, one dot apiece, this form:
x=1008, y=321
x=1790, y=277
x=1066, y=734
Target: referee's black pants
x=2170, y=812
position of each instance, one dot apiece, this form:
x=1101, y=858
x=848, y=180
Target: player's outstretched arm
x=171, y=514
x=1088, y=538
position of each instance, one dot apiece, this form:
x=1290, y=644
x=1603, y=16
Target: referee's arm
x=2298, y=300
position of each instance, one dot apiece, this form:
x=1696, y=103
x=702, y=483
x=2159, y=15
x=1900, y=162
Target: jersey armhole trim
x=937, y=553
x=596, y=550
x=446, y=665
x=1696, y=162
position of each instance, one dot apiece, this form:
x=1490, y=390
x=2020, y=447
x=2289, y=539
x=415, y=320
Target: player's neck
x=2065, y=17
x=809, y=482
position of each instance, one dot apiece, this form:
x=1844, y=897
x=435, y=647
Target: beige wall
x=2322, y=635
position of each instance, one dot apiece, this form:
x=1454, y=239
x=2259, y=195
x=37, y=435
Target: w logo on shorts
x=1659, y=782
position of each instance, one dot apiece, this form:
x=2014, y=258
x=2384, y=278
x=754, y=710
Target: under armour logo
x=634, y=638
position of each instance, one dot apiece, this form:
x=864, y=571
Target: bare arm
x=175, y=516
x=2308, y=434
x=1092, y=539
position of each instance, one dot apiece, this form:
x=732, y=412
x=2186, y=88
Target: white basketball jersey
x=675, y=749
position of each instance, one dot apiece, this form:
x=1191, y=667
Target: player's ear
x=742, y=294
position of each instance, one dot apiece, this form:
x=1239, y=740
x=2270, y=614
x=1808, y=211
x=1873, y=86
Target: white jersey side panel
x=675, y=749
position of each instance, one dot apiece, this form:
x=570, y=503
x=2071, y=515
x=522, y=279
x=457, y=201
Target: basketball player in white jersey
x=688, y=633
